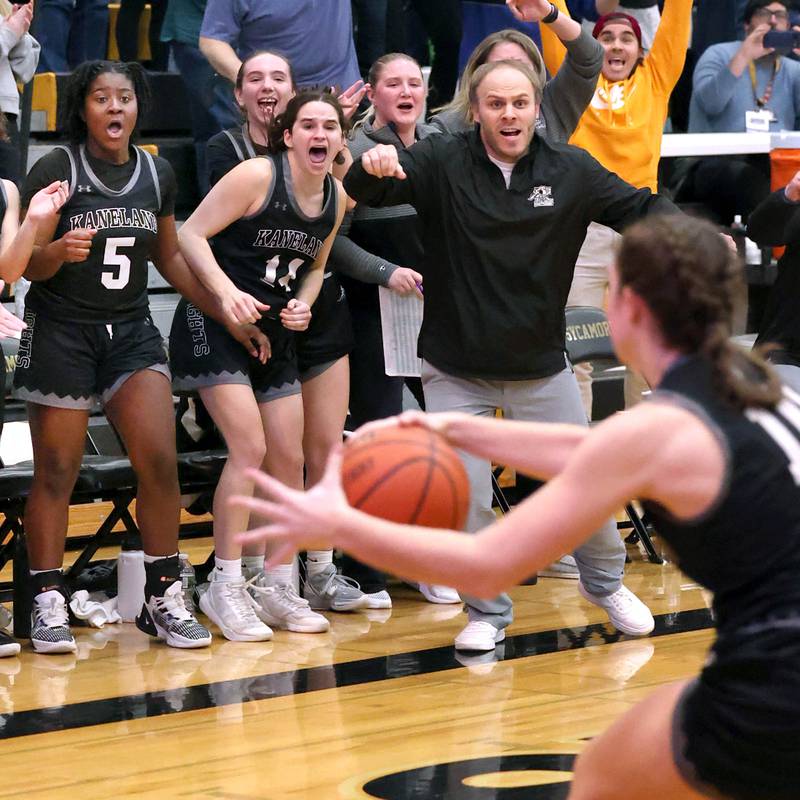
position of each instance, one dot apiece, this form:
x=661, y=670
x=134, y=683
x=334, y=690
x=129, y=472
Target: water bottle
x=130, y=584
x=188, y=581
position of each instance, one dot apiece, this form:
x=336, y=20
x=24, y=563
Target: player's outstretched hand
x=439, y=422
x=76, y=244
x=10, y=325
x=47, y=202
x=350, y=98
x=296, y=316
x=382, y=161
x=297, y=520
x=529, y=10
x=239, y=308
x=405, y=280
x=253, y=339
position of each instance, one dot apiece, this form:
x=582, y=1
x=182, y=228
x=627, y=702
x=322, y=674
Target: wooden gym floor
x=380, y=707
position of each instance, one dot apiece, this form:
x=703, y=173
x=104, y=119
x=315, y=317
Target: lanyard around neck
x=762, y=101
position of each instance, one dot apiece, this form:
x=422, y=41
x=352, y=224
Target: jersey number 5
x=111, y=258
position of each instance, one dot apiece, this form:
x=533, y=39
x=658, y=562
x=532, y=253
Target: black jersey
x=228, y=148
x=268, y=254
x=746, y=548
x=111, y=285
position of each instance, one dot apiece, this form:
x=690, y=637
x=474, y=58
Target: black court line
x=313, y=679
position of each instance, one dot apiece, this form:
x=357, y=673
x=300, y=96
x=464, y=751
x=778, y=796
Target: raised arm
x=17, y=240
x=668, y=53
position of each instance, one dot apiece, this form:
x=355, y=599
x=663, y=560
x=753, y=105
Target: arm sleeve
x=222, y=21
x=668, y=54
x=221, y=158
x=775, y=221
x=352, y=260
x=713, y=84
x=52, y=167
x=24, y=58
x=168, y=185
x=570, y=91
x=418, y=188
x=617, y=204
x=553, y=50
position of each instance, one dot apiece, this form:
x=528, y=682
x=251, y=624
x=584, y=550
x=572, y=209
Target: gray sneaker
x=330, y=591
x=281, y=607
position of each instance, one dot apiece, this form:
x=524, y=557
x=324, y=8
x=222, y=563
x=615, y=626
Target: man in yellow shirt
x=622, y=128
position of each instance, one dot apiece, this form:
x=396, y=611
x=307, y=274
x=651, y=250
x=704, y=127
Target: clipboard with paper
x=401, y=319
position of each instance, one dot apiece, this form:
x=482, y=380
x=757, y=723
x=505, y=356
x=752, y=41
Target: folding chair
x=588, y=339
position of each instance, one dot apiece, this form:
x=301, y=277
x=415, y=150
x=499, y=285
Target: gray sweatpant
x=601, y=559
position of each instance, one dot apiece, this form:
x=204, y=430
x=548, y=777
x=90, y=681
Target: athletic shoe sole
x=294, y=627
x=626, y=629
x=470, y=647
x=53, y=648
x=230, y=634
x=377, y=602
x=348, y=605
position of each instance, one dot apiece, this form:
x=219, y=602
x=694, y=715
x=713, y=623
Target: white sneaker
x=565, y=567
x=229, y=606
x=281, y=607
x=628, y=614
x=479, y=636
x=434, y=593
x=380, y=599
x=50, y=631
x=166, y=617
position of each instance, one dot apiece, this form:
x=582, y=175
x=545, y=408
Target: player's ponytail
x=689, y=278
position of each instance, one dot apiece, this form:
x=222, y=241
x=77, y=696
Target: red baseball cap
x=617, y=16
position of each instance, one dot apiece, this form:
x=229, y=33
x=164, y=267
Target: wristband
x=552, y=16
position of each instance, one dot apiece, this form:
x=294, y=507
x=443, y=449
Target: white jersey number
x=781, y=433
x=111, y=258
x=271, y=273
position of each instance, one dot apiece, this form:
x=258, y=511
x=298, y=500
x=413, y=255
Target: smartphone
x=782, y=41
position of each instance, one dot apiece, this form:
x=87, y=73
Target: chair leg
x=641, y=531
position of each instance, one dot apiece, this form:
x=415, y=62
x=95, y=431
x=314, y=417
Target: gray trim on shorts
x=109, y=393
x=191, y=383
x=53, y=400
x=278, y=392
x=315, y=370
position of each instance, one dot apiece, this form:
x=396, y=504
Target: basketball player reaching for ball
x=272, y=220
x=714, y=458
x=89, y=338
x=264, y=86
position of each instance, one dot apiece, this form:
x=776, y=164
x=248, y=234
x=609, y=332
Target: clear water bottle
x=188, y=581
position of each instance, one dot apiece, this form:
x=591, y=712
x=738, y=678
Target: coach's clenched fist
x=382, y=162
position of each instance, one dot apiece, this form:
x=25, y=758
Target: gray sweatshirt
x=565, y=96
x=18, y=60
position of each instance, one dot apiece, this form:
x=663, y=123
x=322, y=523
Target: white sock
x=152, y=559
x=318, y=560
x=279, y=576
x=38, y=571
x=253, y=563
x=227, y=569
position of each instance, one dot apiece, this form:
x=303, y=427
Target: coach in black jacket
x=504, y=215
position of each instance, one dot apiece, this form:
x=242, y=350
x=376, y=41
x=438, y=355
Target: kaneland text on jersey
x=289, y=240
x=104, y=218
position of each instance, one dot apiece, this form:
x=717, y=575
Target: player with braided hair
x=714, y=458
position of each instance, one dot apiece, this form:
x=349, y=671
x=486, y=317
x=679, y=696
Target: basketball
x=406, y=474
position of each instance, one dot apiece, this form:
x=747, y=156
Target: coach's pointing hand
x=382, y=162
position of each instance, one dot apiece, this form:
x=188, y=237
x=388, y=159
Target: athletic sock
x=281, y=575
x=317, y=561
x=227, y=569
x=252, y=564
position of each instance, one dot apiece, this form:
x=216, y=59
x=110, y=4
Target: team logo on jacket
x=542, y=196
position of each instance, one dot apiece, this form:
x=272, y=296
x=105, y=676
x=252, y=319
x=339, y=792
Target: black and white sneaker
x=50, y=631
x=8, y=646
x=166, y=617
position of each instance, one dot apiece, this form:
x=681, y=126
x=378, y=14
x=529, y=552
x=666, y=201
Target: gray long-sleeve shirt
x=18, y=60
x=564, y=99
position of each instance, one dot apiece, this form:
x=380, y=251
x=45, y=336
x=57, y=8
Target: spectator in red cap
x=622, y=128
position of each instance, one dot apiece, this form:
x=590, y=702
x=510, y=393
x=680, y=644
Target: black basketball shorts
x=202, y=353
x=330, y=334
x=81, y=365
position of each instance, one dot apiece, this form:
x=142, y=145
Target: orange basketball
x=408, y=475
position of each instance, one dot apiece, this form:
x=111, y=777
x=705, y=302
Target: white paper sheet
x=401, y=318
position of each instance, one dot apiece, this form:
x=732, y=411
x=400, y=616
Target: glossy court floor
x=380, y=707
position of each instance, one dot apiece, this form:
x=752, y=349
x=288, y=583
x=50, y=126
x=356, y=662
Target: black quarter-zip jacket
x=498, y=262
